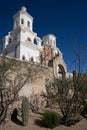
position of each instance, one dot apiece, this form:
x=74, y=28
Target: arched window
x=35, y=42
x=32, y=59
x=22, y=21
x=28, y=24
x=23, y=57
x=29, y=39
x=10, y=40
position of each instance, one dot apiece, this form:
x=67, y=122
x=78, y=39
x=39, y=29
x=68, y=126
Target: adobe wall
x=37, y=85
x=39, y=75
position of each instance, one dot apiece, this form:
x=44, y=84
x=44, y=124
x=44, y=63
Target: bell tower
x=22, y=38
x=50, y=40
x=23, y=26
x=22, y=18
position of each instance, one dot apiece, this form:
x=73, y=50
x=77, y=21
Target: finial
x=23, y=8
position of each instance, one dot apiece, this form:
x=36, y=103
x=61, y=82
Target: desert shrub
x=70, y=95
x=34, y=103
x=51, y=119
x=25, y=111
x=84, y=111
x=50, y=94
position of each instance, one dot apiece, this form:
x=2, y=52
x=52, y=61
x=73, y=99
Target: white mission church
x=19, y=43
x=24, y=44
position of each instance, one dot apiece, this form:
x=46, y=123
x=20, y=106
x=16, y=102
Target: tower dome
x=50, y=40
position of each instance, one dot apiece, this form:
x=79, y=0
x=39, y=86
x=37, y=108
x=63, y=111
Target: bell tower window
x=28, y=24
x=22, y=21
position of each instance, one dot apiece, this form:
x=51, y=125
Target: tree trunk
x=3, y=114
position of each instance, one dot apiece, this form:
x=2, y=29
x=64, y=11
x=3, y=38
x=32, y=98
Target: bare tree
x=71, y=94
x=13, y=76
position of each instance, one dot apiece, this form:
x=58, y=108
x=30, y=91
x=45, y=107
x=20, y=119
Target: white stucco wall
x=29, y=52
x=17, y=21
x=26, y=19
x=11, y=52
x=25, y=35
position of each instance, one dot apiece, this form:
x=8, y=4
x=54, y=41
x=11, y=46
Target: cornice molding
x=23, y=29
x=30, y=45
x=17, y=30
x=12, y=45
x=22, y=12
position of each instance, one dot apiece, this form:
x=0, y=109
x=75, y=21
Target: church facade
x=23, y=43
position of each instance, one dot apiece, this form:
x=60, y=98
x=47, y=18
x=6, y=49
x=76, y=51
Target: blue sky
x=66, y=19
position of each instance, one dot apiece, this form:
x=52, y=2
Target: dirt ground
x=35, y=124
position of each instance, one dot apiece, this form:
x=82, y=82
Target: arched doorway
x=60, y=71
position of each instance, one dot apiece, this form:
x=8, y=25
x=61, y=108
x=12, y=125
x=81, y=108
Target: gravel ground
x=35, y=124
